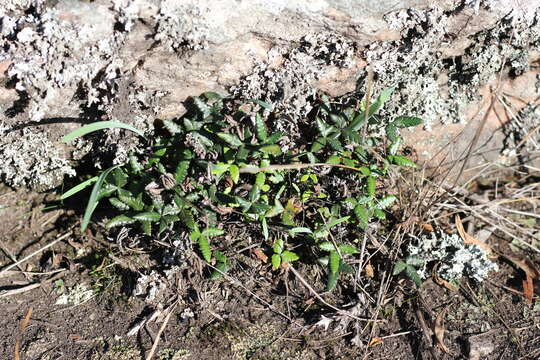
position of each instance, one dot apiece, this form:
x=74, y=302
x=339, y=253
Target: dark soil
x=256, y=313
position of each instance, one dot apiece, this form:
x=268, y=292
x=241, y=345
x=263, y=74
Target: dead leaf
x=526, y=265
x=324, y=322
x=260, y=255
x=427, y=227
x=375, y=341
x=438, y=330
x=22, y=329
x=468, y=239
x=528, y=289
x=369, y=270
x=440, y=281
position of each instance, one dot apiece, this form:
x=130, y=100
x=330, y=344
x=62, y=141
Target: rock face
x=67, y=62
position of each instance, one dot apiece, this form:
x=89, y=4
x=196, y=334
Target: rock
x=479, y=346
x=69, y=62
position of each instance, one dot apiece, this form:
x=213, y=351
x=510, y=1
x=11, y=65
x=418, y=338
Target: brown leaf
x=438, y=330
x=468, y=239
x=369, y=270
x=526, y=265
x=22, y=329
x=260, y=255
x=427, y=227
x=375, y=341
x=528, y=289
x=440, y=281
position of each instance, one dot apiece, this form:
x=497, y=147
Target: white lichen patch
x=29, y=158
x=180, y=26
x=433, y=86
x=77, y=295
x=455, y=258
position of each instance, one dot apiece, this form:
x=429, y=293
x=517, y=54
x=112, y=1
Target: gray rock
x=67, y=62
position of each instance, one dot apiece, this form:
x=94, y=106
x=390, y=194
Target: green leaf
x=298, y=230
x=323, y=127
x=260, y=127
x=407, y=121
x=402, y=161
x=274, y=138
x=204, y=247
x=134, y=203
x=99, y=125
x=289, y=256
x=335, y=144
x=146, y=227
x=386, y=202
x=381, y=99
x=118, y=204
x=119, y=220
x=379, y=214
x=265, y=105
x=327, y=246
x=334, y=159
x=78, y=188
x=212, y=232
x=413, y=275
x=264, y=225
x=370, y=186
x=181, y=171
x=195, y=235
x=335, y=222
x=399, y=267
x=135, y=165
x=235, y=173
x=362, y=215
x=391, y=132
x=172, y=127
x=230, y=139
x=93, y=201
x=278, y=246
x=276, y=261
x=318, y=144
x=221, y=269
x=347, y=249
x=394, y=147
x=332, y=281
x=334, y=261
x=220, y=168
x=119, y=177
x=273, y=149
x=149, y=216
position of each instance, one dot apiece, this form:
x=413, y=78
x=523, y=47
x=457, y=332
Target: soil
x=256, y=313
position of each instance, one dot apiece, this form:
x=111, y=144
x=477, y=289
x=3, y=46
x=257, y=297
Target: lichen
x=180, y=26
x=456, y=258
x=435, y=87
x=30, y=159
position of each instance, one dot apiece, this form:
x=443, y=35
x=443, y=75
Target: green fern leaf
x=370, y=186
x=204, y=246
x=118, y=204
x=333, y=263
x=407, y=121
x=149, y=216
x=119, y=220
x=276, y=261
x=181, y=171
x=402, y=161
x=261, y=128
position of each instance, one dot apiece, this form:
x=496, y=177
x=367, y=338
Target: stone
x=69, y=62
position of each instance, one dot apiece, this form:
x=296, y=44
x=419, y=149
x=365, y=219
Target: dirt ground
x=75, y=299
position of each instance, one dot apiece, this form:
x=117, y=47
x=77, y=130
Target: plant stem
x=255, y=170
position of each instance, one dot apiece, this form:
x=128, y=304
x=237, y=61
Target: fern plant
x=214, y=165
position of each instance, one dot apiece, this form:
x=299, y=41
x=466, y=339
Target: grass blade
x=99, y=125
x=93, y=201
x=78, y=188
